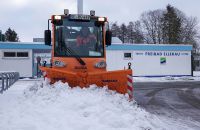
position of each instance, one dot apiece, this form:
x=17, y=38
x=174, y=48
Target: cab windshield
x=83, y=39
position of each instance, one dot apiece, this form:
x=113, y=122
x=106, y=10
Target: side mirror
x=108, y=38
x=47, y=37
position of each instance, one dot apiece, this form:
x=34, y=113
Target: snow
x=166, y=79
x=196, y=73
x=196, y=77
x=29, y=105
x=116, y=40
x=7, y=71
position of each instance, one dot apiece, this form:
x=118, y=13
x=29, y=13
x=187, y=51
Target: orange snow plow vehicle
x=79, y=53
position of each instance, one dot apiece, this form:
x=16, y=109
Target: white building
x=146, y=60
x=21, y=57
x=151, y=60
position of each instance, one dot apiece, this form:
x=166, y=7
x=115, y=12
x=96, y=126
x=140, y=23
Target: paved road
x=172, y=99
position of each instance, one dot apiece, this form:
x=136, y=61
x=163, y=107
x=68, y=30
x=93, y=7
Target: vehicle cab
x=78, y=42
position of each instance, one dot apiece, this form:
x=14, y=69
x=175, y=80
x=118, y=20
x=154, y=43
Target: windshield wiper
x=72, y=52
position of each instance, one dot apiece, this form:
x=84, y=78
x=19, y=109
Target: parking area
x=172, y=99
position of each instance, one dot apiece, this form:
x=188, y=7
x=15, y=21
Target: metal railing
x=7, y=79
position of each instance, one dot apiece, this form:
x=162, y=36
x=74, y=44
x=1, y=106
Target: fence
x=7, y=79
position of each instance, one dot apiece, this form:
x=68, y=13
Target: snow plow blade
x=119, y=81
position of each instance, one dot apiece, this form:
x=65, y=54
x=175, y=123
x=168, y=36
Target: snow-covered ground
x=196, y=73
x=196, y=77
x=166, y=79
x=27, y=106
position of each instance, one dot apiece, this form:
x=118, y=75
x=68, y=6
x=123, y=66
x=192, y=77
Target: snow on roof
x=116, y=40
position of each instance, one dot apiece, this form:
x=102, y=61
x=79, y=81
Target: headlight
x=101, y=64
x=101, y=19
x=57, y=17
x=59, y=64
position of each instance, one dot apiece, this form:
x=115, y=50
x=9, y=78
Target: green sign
x=163, y=60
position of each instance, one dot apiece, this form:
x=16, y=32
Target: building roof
x=23, y=45
x=150, y=47
x=144, y=47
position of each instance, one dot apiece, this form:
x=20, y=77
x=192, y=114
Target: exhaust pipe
x=80, y=6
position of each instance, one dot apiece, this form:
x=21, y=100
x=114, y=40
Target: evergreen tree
x=123, y=34
x=171, y=26
x=2, y=36
x=115, y=29
x=130, y=32
x=11, y=36
x=138, y=35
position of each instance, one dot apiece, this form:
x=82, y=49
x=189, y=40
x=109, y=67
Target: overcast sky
x=29, y=17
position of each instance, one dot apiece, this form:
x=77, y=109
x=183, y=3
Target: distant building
x=38, y=39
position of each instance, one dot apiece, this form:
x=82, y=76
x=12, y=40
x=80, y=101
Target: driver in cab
x=86, y=40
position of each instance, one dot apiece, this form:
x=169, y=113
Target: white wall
x=18, y=64
x=145, y=64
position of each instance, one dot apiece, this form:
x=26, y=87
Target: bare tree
x=151, y=22
x=189, y=29
x=189, y=33
x=138, y=35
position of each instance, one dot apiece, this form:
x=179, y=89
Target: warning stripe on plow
x=130, y=87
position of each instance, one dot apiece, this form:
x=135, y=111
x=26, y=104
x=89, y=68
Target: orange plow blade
x=119, y=81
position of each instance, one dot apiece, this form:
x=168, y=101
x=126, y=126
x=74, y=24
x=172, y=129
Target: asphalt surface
x=172, y=99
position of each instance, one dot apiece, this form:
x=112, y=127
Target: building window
x=15, y=55
x=22, y=54
x=9, y=54
x=128, y=55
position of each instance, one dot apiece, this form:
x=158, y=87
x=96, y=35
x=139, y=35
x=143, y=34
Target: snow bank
x=60, y=107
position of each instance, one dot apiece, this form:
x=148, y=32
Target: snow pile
x=59, y=107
